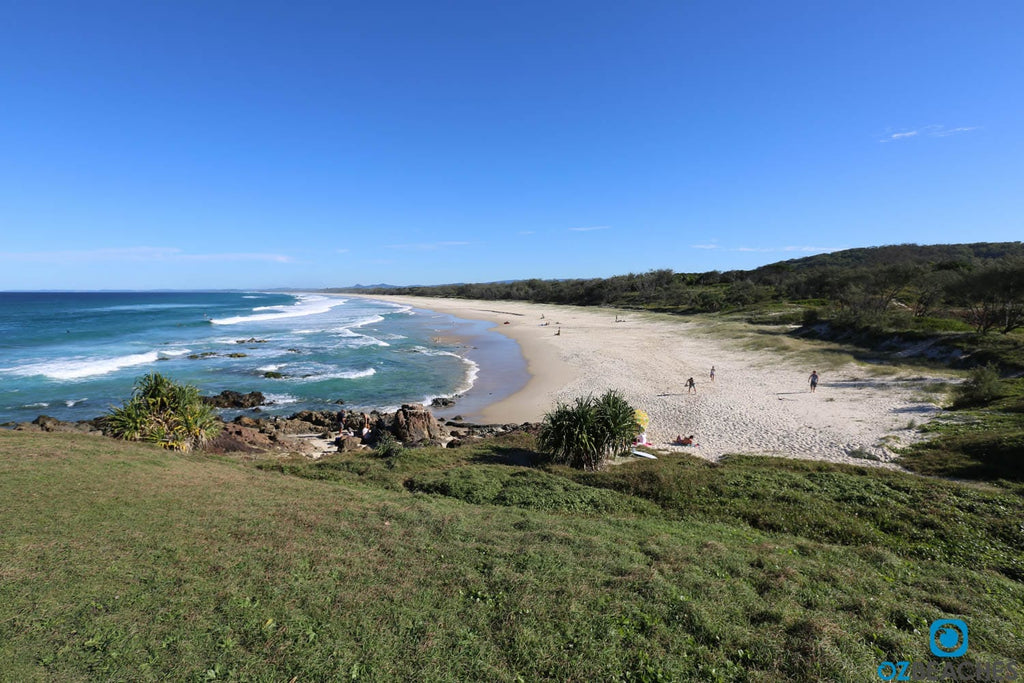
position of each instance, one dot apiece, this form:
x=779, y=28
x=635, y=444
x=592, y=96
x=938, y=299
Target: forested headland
x=970, y=295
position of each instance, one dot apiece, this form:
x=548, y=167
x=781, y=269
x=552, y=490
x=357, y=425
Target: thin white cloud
x=136, y=255
x=592, y=228
x=527, y=232
x=946, y=132
x=703, y=246
x=426, y=246
x=932, y=131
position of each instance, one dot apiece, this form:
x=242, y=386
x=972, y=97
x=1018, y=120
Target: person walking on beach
x=814, y=380
x=691, y=386
x=712, y=373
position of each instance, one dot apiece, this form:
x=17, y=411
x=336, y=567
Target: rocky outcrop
x=414, y=424
x=325, y=419
x=347, y=444
x=236, y=400
x=313, y=433
x=45, y=423
x=466, y=432
x=236, y=438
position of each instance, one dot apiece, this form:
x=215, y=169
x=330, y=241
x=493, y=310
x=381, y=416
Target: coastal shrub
x=164, y=412
x=589, y=431
x=982, y=387
x=388, y=446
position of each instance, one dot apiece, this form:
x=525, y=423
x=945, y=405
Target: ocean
x=73, y=356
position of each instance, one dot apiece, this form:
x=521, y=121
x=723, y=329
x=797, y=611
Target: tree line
x=981, y=284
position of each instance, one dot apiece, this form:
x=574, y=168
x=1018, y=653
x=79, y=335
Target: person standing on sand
x=712, y=373
x=691, y=386
x=814, y=380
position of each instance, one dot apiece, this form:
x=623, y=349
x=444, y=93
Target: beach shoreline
x=759, y=403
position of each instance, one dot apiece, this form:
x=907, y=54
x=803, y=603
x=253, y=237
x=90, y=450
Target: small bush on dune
x=981, y=388
x=164, y=412
x=587, y=433
x=388, y=446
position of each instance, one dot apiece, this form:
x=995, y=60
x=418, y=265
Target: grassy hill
x=124, y=562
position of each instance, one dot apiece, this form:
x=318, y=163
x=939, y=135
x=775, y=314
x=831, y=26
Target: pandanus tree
x=164, y=412
x=586, y=433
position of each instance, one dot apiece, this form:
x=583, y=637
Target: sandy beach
x=759, y=403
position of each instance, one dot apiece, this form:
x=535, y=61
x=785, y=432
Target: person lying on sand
x=684, y=441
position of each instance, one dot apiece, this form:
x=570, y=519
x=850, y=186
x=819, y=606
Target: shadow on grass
x=982, y=457
x=507, y=455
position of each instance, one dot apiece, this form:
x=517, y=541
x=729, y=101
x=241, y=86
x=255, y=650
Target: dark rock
x=235, y=438
x=318, y=418
x=234, y=399
x=45, y=423
x=413, y=423
x=284, y=426
x=27, y=427
x=442, y=402
x=273, y=375
x=348, y=443
x=251, y=340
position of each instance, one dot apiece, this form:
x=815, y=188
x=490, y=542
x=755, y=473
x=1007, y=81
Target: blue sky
x=198, y=144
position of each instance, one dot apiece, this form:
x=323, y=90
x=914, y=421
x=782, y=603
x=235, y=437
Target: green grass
x=124, y=562
x=985, y=443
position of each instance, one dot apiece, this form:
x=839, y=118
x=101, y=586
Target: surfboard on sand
x=641, y=454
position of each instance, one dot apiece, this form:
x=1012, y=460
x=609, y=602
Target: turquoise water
x=74, y=355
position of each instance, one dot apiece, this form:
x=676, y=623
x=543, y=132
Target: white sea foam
x=399, y=308
x=80, y=368
x=173, y=353
x=356, y=338
x=306, y=305
x=269, y=368
x=366, y=321
x=365, y=340
x=345, y=374
x=280, y=399
x=468, y=380
x=437, y=352
x=472, y=372
x=71, y=403
x=37, y=405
